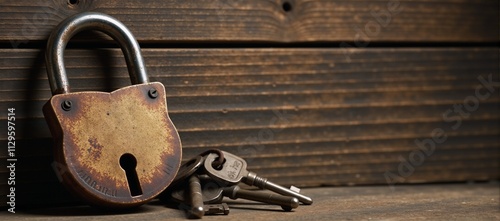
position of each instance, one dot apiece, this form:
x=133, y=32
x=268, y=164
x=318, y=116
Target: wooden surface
x=361, y=21
x=414, y=202
x=311, y=93
x=338, y=122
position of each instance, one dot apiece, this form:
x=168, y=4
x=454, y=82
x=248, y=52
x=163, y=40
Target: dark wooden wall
x=311, y=93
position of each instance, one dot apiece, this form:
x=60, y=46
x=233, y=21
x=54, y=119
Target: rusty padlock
x=114, y=150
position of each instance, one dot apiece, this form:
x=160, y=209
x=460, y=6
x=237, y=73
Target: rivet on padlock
x=117, y=149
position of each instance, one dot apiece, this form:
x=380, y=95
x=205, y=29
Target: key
x=295, y=189
x=212, y=209
x=185, y=171
x=233, y=170
x=195, y=197
x=287, y=203
x=213, y=193
x=189, y=168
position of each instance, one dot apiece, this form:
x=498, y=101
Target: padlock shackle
x=59, y=38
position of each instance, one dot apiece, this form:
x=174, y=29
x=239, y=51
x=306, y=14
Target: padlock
x=117, y=149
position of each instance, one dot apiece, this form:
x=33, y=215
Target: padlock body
x=99, y=129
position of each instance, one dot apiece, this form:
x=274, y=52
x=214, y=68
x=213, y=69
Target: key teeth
x=212, y=209
x=295, y=189
x=226, y=208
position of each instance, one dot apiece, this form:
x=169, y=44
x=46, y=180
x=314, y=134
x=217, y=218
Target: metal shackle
x=59, y=38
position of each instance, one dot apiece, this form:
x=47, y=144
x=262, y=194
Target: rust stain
x=101, y=127
x=95, y=148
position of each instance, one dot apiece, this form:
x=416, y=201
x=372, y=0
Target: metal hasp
x=61, y=35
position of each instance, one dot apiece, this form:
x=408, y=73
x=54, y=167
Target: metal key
x=185, y=171
x=233, y=170
x=212, y=209
x=195, y=197
x=213, y=193
x=208, y=196
x=287, y=203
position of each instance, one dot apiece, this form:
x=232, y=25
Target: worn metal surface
x=408, y=202
x=99, y=128
x=116, y=149
x=54, y=58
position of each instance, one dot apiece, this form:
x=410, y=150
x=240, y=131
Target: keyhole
x=128, y=163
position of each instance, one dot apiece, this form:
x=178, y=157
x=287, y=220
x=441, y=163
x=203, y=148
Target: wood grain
x=357, y=22
x=414, y=202
x=307, y=117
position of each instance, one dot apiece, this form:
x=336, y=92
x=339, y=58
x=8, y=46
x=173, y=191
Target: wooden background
x=311, y=93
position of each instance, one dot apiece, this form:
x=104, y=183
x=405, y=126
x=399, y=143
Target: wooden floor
x=411, y=202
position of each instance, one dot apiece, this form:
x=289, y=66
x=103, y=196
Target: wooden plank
x=306, y=117
x=333, y=169
x=359, y=22
x=420, y=202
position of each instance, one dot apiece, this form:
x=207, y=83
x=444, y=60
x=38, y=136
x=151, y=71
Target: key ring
x=219, y=160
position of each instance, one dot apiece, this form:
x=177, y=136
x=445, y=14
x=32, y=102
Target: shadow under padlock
x=114, y=150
